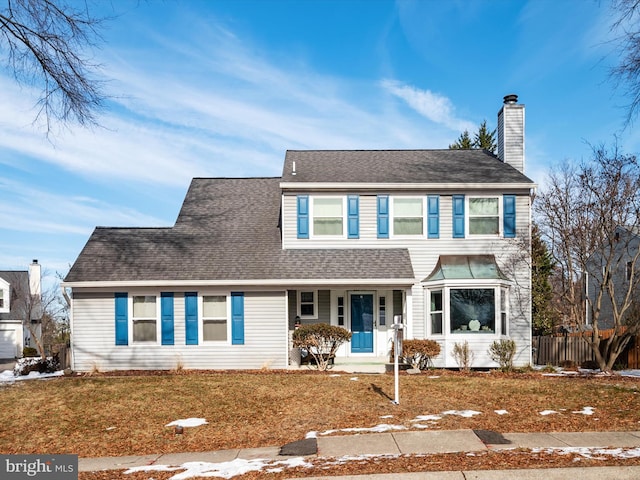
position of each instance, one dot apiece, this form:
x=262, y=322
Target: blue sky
x=223, y=88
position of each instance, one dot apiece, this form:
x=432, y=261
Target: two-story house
x=351, y=238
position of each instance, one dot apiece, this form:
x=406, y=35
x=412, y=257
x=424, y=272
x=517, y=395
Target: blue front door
x=362, y=323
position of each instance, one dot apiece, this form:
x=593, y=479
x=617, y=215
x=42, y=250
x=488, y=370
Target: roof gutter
x=405, y=186
x=287, y=283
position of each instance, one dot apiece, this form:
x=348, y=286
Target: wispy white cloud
x=435, y=107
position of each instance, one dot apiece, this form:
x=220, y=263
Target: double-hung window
x=408, y=216
x=214, y=318
x=145, y=318
x=484, y=216
x=435, y=312
x=328, y=216
x=308, y=303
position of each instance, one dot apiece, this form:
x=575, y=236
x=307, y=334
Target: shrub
x=463, y=355
x=502, y=352
x=419, y=353
x=30, y=352
x=26, y=365
x=322, y=341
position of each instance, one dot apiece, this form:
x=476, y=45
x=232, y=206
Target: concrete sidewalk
x=407, y=443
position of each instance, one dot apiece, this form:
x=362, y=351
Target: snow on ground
x=187, y=422
x=240, y=466
x=8, y=377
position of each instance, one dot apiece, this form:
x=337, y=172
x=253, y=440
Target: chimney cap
x=35, y=260
x=511, y=98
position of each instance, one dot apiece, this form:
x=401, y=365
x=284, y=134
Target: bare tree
x=582, y=211
x=626, y=28
x=46, y=43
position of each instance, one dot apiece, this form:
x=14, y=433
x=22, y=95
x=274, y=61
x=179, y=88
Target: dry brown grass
x=105, y=415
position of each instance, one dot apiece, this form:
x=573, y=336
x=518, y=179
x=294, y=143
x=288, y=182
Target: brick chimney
x=511, y=132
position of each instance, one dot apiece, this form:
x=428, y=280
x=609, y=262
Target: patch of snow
x=629, y=373
x=224, y=469
x=334, y=375
x=548, y=412
x=355, y=379
x=426, y=418
x=501, y=412
x=595, y=453
x=312, y=434
x=433, y=376
x=462, y=413
x=386, y=416
x=8, y=377
x=383, y=427
x=187, y=422
x=586, y=411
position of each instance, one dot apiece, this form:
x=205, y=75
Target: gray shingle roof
x=18, y=282
x=399, y=166
x=227, y=229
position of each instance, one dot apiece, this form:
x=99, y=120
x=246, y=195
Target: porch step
x=360, y=364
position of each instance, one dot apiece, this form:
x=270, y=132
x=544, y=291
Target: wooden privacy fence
x=555, y=350
x=550, y=350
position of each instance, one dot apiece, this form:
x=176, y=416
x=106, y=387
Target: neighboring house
x=622, y=265
x=14, y=286
x=351, y=238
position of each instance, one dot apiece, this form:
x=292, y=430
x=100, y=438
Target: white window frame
x=5, y=288
x=430, y=311
x=392, y=216
x=299, y=304
x=467, y=219
x=497, y=286
x=202, y=318
x=504, y=297
x=133, y=319
x=383, y=310
x=312, y=232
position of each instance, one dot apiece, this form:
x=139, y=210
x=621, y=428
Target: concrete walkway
x=407, y=443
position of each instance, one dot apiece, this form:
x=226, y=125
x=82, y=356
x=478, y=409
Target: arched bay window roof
x=466, y=267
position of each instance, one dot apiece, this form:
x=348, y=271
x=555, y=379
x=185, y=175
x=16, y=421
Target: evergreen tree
x=485, y=139
x=542, y=266
x=482, y=139
x=463, y=143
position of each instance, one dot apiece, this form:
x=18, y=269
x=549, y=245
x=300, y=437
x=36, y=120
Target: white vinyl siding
x=93, y=337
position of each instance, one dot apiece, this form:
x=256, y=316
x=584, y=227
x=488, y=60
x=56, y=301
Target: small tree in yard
x=590, y=216
x=502, y=352
x=322, y=341
x=420, y=353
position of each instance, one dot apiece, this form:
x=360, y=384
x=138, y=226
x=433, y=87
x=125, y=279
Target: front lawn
x=104, y=415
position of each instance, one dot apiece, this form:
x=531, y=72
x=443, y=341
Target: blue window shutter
x=303, y=216
x=166, y=317
x=191, y=318
x=509, y=215
x=237, y=318
x=458, y=216
x=122, y=318
x=353, y=212
x=383, y=216
x=433, y=214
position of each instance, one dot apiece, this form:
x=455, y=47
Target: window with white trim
x=214, y=318
x=435, y=312
x=484, y=215
x=328, y=216
x=382, y=311
x=408, y=215
x=472, y=310
x=504, y=306
x=308, y=304
x=145, y=318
